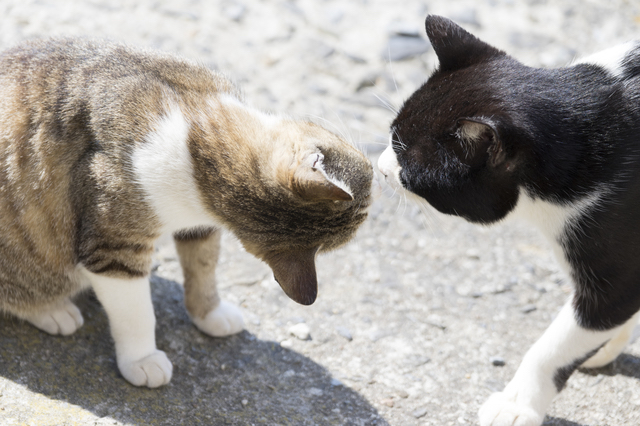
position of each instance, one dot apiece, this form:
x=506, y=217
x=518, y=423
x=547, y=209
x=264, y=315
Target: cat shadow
x=625, y=364
x=237, y=380
x=555, y=421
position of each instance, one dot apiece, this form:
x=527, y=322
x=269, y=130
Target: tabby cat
x=487, y=138
x=104, y=148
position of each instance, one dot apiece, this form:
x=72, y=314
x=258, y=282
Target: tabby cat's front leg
x=198, y=251
x=546, y=367
x=132, y=322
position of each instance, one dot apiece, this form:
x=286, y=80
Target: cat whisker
x=429, y=217
x=424, y=218
x=344, y=125
x=377, y=135
x=336, y=129
x=386, y=104
x=386, y=190
x=395, y=83
x=362, y=146
x=404, y=196
x=402, y=144
x=399, y=201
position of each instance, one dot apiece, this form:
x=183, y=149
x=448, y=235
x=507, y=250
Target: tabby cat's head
x=297, y=190
x=451, y=140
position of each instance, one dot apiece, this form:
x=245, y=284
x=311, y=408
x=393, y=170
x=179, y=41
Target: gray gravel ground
x=411, y=317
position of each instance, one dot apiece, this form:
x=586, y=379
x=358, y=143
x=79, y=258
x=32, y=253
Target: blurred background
x=417, y=321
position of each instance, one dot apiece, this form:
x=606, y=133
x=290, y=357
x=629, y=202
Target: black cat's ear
x=481, y=132
x=311, y=182
x=455, y=47
x=295, y=271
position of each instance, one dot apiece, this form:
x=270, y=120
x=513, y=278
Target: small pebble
x=404, y=29
x=314, y=391
x=368, y=80
x=235, y=12
x=387, y=401
x=400, y=48
x=528, y=308
x=344, y=332
x=336, y=382
x=498, y=361
x=301, y=331
x=245, y=402
x=420, y=412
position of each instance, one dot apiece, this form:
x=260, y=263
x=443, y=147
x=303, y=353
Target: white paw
x=224, y=320
x=152, y=371
x=503, y=410
x=64, y=318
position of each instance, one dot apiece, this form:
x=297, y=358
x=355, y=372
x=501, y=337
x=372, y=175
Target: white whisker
x=350, y=138
x=387, y=104
x=336, y=129
x=404, y=197
x=395, y=83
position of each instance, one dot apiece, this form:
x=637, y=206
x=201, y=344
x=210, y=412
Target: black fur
x=558, y=135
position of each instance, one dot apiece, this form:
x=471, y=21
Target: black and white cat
x=487, y=137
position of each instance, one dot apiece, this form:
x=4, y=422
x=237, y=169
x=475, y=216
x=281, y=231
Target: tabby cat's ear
x=311, y=182
x=295, y=271
x=481, y=132
x=455, y=47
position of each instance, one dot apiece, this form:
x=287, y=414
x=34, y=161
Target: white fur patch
x=63, y=318
x=389, y=167
x=553, y=219
x=132, y=323
x=164, y=168
x=610, y=59
x=615, y=346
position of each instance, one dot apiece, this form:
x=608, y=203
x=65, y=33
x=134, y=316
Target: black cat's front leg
x=546, y=367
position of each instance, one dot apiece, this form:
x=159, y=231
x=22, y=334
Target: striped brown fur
x=73, y=112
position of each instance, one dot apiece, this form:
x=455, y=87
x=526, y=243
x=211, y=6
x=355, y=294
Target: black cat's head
x=451, y=142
